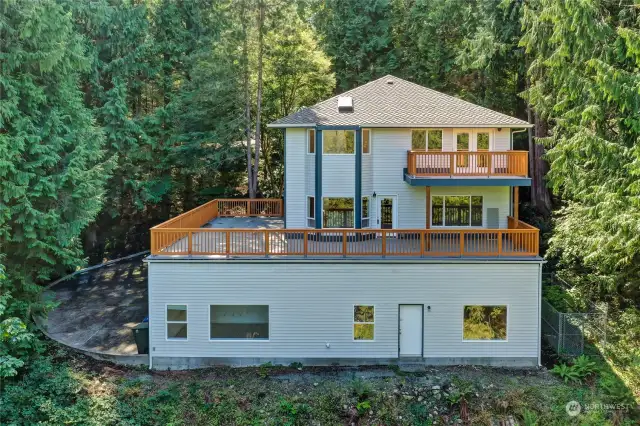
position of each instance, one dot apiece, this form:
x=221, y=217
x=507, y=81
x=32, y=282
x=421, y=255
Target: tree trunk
x=540, y=195
x=247, y=99
x=256, y=161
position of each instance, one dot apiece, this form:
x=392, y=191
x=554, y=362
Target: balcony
x=252, y=228
x=485, y=168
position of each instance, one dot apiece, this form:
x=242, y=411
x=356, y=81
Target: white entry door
x=410, y=330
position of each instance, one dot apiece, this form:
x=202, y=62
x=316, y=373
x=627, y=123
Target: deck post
x=266, y=243
x=305, y=242
x=516, y=194
x=189, y=243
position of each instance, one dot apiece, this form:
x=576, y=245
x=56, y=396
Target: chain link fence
x=575, y=333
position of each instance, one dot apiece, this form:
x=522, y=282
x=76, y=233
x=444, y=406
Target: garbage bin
x=141, y=336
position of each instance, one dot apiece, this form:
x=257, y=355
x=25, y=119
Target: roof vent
x=345, y=104
x=389, y=81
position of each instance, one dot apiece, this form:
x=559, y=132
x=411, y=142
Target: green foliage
x=361, y=389
x=566, y=372
x=295, y=414
x=363, y=407
x=53, y=166
x=529, y=418
x=17, y=344
x=615, y=390
x=581, y=368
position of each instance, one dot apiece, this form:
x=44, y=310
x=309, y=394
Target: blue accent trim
x=461, y=181
x=337, y=127
x=318, y=200
x=358, y=195
x=284, y=191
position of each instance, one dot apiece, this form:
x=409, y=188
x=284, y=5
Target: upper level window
x=434, y=140
x=311, y=141
x=366, y=141
x=462, y=141
x=418, y=140
x=423, y=139
x=482, y=139
x=338, y=141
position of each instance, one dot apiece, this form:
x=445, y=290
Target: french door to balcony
x=472, y=152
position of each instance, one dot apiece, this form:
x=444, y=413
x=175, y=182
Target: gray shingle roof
x=393, y=102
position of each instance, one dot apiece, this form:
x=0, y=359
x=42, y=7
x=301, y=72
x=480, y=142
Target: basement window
x=239, y=322
x=364, y=322
x=176, y=316
x=485, y=323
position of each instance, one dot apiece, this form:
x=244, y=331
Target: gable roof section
x=393, y=102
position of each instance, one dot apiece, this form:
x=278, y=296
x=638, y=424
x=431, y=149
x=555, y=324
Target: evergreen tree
x=357, y=35
x=52, y=169
x=585, y=82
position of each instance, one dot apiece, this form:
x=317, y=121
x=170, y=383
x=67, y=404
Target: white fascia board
x=449, y=126
x=284, y=126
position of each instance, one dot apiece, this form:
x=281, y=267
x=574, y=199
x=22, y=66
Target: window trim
x=444, y=206
x=167, y=322
x=345, y=130
x=362, y=136
x=353, y=323
x=354, y=208
x=506, y=340
x=309, y=141
x=235, y=339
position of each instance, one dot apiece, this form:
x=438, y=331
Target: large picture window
x=338, y=141
x=363, y=322
x=485, y=322
x=456, y=210
x=337, y=212
x=239, y=322
x=177, y=322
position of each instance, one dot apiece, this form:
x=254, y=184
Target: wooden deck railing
x=484, y=163
x=348, y=242
x=169, y=232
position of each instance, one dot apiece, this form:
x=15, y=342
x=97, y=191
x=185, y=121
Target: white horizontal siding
x=390, y=148
x=311, y=304
x=447, y=140
x=295, y=184
x=492, y=197
x=338, y=175
x=502, y=140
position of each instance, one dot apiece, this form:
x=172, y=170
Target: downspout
x=149, y=308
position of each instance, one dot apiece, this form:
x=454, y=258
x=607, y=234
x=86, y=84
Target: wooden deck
x=255, y=235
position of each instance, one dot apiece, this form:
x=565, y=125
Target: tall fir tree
x=52, y=162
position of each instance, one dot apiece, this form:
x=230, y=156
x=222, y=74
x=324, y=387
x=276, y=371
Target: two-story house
x=398, y=239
